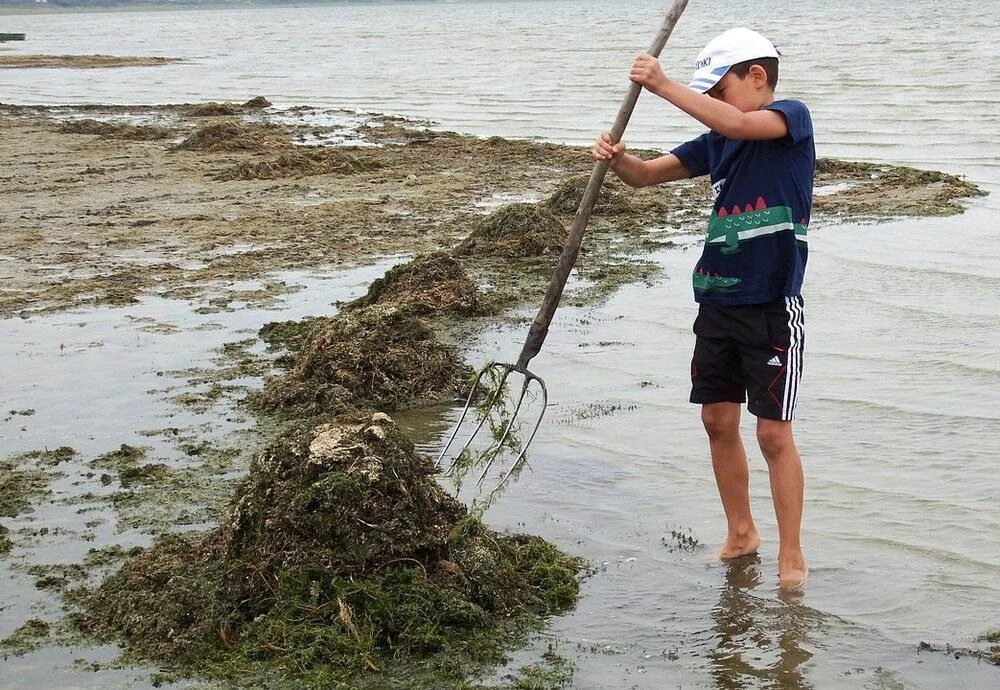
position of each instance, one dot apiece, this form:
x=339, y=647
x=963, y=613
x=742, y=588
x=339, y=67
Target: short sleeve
x=797, y=119
x=693, y=155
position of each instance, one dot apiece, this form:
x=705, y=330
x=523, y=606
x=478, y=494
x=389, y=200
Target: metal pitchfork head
x=540, y=326
x=497, y=372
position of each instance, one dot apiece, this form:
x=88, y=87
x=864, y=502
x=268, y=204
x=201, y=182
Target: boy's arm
x=635, y=171
x=727, y=120
x=666, y=168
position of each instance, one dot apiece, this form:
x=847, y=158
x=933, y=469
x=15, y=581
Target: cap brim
x=704, y=79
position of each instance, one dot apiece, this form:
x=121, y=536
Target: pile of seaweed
x=516, y=231
x=214, y=109
x=434, y=283
x=340, y=561
x=304, y=163
x=229, y=135
x=114, y=130
x=378, y=357
x=566, y=198
x=378, y=352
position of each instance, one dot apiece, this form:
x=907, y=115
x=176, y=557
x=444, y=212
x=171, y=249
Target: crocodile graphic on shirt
x=729, y=228
x=704, y=282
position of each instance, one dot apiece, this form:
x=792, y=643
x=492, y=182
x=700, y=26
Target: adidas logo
x=774, y=361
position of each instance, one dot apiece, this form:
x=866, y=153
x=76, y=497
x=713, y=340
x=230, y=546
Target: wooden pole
x=540, y=326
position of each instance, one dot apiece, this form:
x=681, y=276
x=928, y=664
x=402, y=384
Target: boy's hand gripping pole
x=540, y=326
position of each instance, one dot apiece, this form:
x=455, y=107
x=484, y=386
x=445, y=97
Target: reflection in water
x=760, y=641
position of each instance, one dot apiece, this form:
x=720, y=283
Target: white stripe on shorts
x=793, y=358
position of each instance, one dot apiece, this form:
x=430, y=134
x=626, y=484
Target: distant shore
x=35, y=9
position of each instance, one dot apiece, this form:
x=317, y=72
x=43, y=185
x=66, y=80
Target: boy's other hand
x=604, y=150
x=646, y=71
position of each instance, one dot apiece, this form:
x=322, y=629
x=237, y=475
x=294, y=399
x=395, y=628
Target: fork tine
x=494, y=450
x=468, y=404
x=521, y=457
x=493, y=399
x=465, y=411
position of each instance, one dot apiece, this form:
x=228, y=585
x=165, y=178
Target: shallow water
x=898, y=421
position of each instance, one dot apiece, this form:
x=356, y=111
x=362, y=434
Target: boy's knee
x=774, y=437
x=720, y=420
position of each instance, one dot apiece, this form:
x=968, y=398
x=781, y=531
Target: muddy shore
x=106, y=204
x=113, y=205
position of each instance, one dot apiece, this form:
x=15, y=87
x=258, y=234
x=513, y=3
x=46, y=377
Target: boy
x=750, y=328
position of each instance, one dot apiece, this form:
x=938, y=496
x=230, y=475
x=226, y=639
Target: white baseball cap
x=726, y=50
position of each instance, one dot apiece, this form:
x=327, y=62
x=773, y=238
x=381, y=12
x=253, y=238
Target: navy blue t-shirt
x=755, y=247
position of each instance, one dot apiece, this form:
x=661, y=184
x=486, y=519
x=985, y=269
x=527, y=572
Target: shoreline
x=268, y=182
x=159, y=8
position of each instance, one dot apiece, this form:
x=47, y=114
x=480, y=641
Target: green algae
x=30, y=636
x=335, y=564
x=555, y=671
x=201, y=400
x=257, y=103
x=153, y=496
x=47, y=457
x=291, y=335
x=992, y=653
x=213, y=109
x=24, y=478
x=124, y=458
x=418, y=196
x=57, y=576
x=610, y=199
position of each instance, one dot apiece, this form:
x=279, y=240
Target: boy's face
x=747, y=93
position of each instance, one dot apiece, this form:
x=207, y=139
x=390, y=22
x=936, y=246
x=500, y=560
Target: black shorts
x=750, y=352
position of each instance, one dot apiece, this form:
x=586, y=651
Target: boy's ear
x=759, y=76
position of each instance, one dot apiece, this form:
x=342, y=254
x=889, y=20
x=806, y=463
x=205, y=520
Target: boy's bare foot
x=792, y=571
x=738, y=545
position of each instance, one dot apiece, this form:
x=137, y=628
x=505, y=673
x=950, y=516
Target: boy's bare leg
x=785, y=470
x=732, y=476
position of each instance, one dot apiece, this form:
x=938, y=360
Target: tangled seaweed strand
x=340, y=560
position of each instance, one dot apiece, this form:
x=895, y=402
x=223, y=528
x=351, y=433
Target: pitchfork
x=540, y=326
